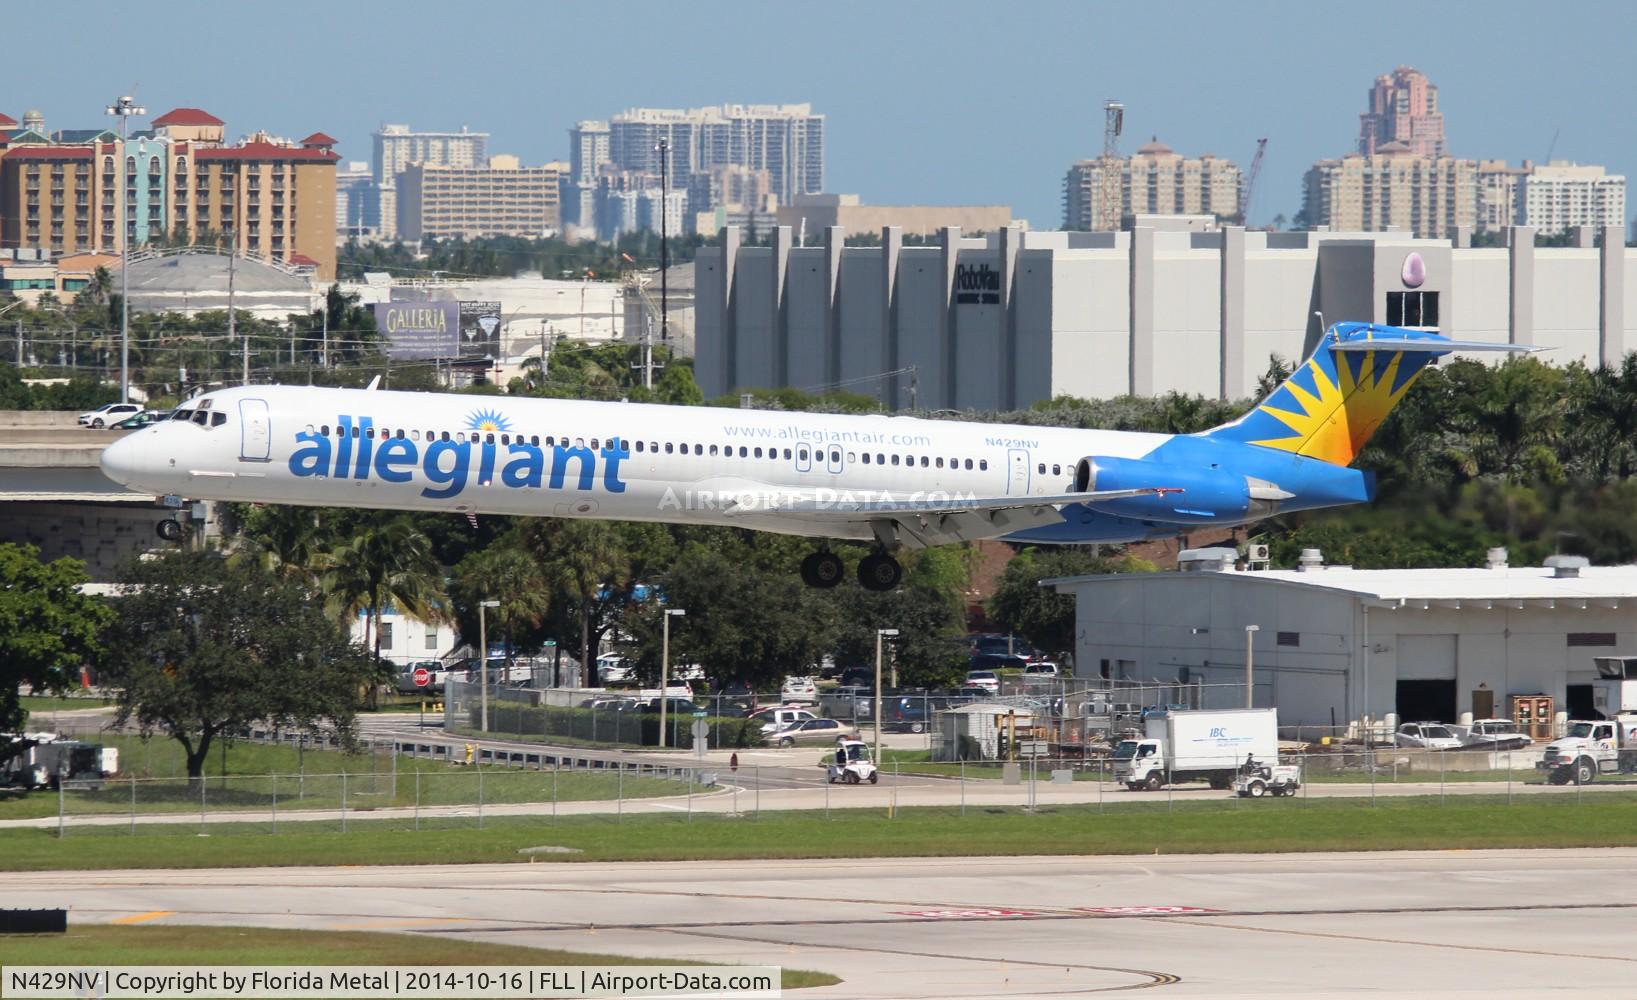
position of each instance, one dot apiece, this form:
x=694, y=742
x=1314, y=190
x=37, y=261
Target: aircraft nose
x=122, y=460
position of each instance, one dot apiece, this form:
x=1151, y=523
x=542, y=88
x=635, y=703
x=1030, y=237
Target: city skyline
x=999, y=126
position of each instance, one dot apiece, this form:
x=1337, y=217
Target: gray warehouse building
x=1003, y=321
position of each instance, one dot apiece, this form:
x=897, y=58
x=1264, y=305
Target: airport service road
x=1434, y=925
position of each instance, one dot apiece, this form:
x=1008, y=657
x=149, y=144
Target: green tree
x=385, y=560
x=48, y=628
x=201, y=647
x=577, y=559
x=503, y=572
x=1041, y=615
x=928, y=610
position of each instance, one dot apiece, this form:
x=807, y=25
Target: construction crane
x=1250, y=182
x=1110, y=200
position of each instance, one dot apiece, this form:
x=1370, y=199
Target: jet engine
x=1194, y=495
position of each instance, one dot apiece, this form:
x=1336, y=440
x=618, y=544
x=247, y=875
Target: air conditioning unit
x=1256, y=553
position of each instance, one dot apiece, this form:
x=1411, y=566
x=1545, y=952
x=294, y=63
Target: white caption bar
x=365, y=982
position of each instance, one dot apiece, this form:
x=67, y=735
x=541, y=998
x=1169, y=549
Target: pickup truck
x=1491, y=734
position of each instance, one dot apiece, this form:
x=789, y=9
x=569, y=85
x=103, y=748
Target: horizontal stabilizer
x=1440, y=346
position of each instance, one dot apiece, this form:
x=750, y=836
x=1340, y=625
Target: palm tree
x=388, y=561
x=288, y=541
x=577, y=559
x=504, y=573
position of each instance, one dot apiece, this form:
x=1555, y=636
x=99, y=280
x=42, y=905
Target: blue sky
x=949, y=102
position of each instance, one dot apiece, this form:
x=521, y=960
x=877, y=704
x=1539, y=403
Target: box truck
x=1199, y=745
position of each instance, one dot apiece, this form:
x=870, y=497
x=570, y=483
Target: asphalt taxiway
x=1410, y=925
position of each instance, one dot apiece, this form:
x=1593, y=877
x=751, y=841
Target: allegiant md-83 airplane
x=887, y=480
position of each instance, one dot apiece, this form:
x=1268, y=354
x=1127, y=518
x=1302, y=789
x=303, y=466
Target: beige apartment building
x=1156, y=180
x=502, y=198
x=87, y=192
x=1393, y=189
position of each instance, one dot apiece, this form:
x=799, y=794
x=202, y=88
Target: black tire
x=852, y=777
x=916, y=727
x=822, y=570
x=1154, y=782
x=1585, y=771
x=1220, y=783
x=875, y=776
x=1257, y=789
x=879, y=572
x=787, y=742
x=96, y=422
x=1560, y=776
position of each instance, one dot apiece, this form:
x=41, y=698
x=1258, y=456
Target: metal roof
x=1420, y=588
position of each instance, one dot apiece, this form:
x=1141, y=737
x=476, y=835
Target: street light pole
x=880, y=633
x=664, y=240
x=123, y=109
x=483, y=656
x=665, y=670
x=1250, y=639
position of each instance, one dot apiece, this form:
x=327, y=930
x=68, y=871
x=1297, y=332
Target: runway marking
x=1154, y=978
x=142, y=918
x=1405, y=941
x=1146, y=911
x=387, y=924
x=977, y=914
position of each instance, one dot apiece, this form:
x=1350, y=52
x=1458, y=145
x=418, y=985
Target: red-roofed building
x=276, y=198
x=6, y=121
x=191, y=125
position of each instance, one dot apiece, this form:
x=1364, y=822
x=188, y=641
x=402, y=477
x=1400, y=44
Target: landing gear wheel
x=822, y=570
x=879, y=572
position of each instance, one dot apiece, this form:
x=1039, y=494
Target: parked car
x=780, y=717
x=909, y=713
x=136, y=421
x=108, y=413
x=801, y=689
x=986, y=679
x=674, y=706
x=1002, y=645
x=1426, y=736
x=821, y=732
x=973, y=691
x=406, y=678
x=1040, y=671
x=612, y=668
x=995, y=661
x=1491, y=734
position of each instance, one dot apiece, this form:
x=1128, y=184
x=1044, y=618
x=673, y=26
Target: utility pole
x=664, y=240
x=232, y=316
x=325, y=310
x=124, y=108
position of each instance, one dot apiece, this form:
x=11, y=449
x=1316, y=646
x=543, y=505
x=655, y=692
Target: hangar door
x=1426, y=678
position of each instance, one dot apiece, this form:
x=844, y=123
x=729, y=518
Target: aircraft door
x=1017, y=473
x=804, y=458
x=255, y=431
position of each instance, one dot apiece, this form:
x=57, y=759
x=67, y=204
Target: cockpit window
x=200, y=417
x=218, y=419
x=182, y=415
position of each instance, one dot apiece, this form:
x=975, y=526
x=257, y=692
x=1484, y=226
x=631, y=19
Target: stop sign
x=422, y=677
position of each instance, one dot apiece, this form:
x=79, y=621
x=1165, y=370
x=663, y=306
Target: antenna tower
x=1110, y=200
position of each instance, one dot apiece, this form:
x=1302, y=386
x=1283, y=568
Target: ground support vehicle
x=852, y=764
x=1267, y=779
x=1592, y=748
x=1199, y=745
x=41, y=760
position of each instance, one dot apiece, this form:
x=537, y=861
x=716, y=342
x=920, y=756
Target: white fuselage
x=570, y=458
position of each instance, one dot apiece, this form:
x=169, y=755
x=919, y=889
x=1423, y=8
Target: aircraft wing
x=843, y=505
x=917, y=521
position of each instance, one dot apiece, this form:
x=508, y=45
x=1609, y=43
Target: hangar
x=1332, y=645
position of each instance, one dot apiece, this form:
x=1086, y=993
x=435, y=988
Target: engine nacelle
x=1207, y=496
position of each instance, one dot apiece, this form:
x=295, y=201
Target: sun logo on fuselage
x=487, y=420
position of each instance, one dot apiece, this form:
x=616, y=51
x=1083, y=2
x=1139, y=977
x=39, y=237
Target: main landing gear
x=822, y=570
x=876, y=571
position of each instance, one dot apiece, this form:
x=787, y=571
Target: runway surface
x=1412, y=925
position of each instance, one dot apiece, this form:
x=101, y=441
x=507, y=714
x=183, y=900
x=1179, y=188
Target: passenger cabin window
x=983, y=464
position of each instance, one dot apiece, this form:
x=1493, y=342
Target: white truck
x=1198, y=745
x=1607, y=745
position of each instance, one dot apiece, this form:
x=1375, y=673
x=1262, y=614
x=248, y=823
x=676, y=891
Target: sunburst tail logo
x=1330, y=406
x=487, y=420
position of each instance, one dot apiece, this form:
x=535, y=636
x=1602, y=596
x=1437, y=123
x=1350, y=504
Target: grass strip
x=1217, y=826
x=180, y=944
